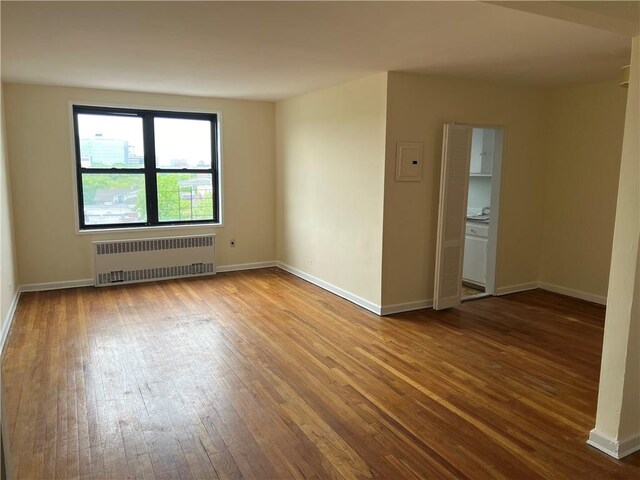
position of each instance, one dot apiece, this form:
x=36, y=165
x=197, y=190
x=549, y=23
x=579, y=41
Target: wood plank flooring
x=260, y=375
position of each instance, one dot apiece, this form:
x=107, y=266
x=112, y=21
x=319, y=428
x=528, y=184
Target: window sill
x=155, y=228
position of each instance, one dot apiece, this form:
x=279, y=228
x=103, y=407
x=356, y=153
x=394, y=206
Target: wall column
x=617, y=430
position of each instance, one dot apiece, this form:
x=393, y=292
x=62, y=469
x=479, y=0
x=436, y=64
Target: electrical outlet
x=232, y=242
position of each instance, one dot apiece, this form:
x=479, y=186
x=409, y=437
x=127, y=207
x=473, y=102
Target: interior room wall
x=8, y=273
x=41, y=156
x=418, y=107
x=330, y=151
x=585, y=126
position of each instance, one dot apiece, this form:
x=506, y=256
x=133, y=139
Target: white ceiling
x=273, y=50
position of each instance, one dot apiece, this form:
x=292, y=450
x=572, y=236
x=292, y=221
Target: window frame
x=149, y=169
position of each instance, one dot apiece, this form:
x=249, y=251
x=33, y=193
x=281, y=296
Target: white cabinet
x=482, y=150
x=474, y=269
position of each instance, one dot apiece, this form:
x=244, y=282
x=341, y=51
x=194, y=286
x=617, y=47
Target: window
x=145, y=167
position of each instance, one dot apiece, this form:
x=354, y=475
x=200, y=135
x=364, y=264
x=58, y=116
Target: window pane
x=184, y=197
x=182, y=143
x=113, y=198
x=110, y=141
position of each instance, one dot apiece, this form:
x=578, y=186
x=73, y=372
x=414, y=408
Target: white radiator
x=147, y=259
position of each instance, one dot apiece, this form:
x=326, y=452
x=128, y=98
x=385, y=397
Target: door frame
x=496, y=187
x=496, y=184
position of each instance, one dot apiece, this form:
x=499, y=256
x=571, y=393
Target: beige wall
x=418, y=107
x=559, y=181
x=585, y=125
x=330, y=150
x=8, y=274
x=41, y=154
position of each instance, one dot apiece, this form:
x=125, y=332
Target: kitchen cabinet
x=476, y=242
x=482, y=151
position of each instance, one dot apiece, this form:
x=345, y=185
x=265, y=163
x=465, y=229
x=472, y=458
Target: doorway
x=482, y=213
x=468, y=214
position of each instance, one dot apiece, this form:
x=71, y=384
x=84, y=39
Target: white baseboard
x=589, y=297
x=372, y=307
x=616, y=448
x=244, y=266
x=405, y=307
x=629, y=445
x=8, y=321
x=39, y=287
x=521, y=287
x=89, y=282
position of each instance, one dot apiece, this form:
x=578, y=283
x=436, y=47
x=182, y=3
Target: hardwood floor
x=259, y=375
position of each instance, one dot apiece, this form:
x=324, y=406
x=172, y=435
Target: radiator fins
x=150, y=274
x=149, y=245
x=143, y=260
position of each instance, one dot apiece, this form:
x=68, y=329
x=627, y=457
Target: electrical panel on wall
x=409, y=161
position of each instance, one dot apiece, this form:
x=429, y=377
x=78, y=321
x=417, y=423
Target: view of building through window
x=114, y=176
x=109, y=141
